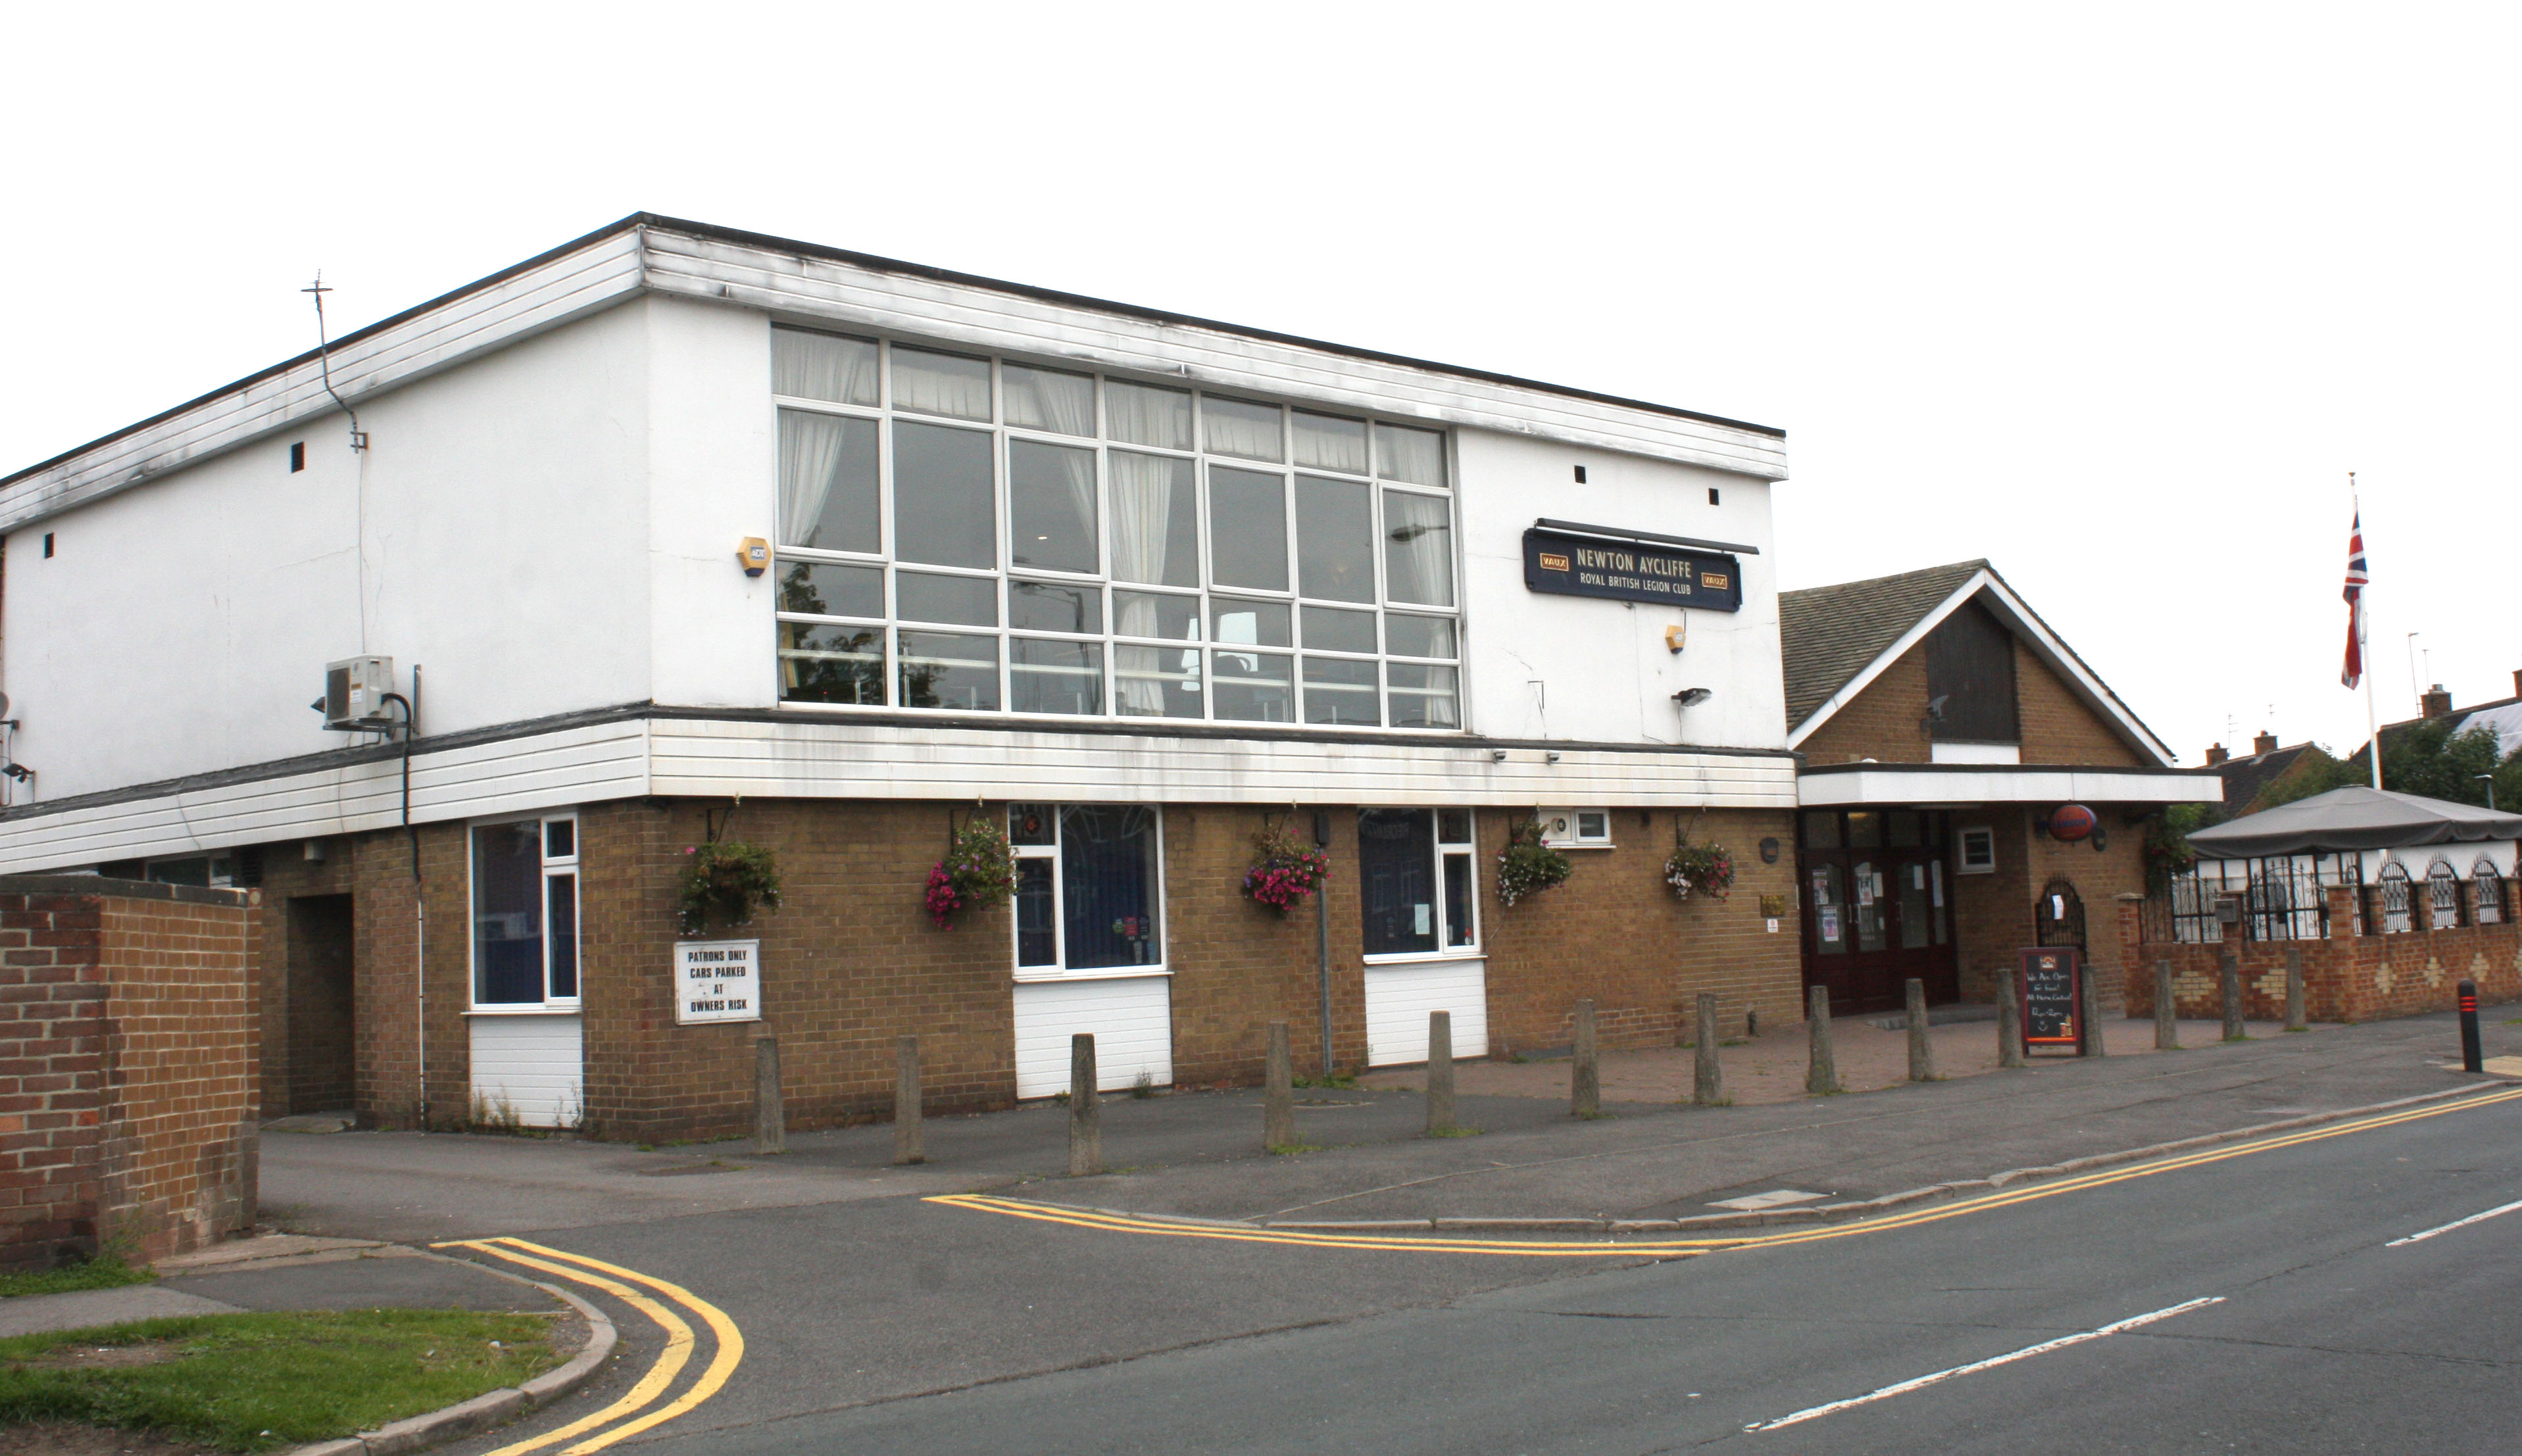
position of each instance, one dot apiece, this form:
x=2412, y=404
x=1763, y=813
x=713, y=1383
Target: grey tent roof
x=2353, y=818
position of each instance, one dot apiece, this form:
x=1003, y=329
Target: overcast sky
x=2114, y=297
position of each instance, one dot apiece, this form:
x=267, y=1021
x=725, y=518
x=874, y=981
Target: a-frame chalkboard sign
x=2052, y=990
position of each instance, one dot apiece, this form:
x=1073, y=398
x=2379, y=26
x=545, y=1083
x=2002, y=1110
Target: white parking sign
x=718, y=980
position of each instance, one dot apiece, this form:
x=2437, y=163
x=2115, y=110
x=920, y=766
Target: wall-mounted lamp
x=1552, y=756
x=753, y=554
x=1497, y=755
x=1693, y=697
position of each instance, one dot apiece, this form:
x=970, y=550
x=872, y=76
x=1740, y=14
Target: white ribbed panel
x=1131, y=1020
x=1398, y=998
x=534, y=1063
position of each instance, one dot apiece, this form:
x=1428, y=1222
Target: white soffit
x=624, y=261
x=2027, y=624
x=1921, y=783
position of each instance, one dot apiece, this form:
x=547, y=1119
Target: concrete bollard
x=1441, y=1073
x=770, y=1112
x=1708, y=1077
x=909, y=1144
x=2009, y=1020
x=2296, y=1017
x=1279, y=1093
x=2231, y=986
x=1084, y=1112
x=2089, y=1015
x=1585, y=1072
x=1822, y=1077
x=1922, y=1048
x=2166, y=1010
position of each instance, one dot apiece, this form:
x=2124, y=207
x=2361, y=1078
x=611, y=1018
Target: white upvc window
x=524, y=912
x=1417, y=885
x=1577, y=829
x=972, y=534
x=1090, y=890
x=1977, y=851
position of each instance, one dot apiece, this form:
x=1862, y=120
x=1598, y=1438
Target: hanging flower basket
x=978, y=871
x=1284, y=872
x=1528, y=865
x=724, y=881
x=1704, y=868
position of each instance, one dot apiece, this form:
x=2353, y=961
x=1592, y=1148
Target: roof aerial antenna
x=324, y=362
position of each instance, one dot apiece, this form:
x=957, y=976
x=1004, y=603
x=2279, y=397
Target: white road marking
x=2455, y=1223
x=2025, y=1353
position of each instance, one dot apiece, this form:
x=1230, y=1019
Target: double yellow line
x=632, y=1409
x=1601, y=1247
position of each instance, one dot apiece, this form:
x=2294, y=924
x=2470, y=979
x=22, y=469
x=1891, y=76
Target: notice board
x=2052, y=987
x=718, y=980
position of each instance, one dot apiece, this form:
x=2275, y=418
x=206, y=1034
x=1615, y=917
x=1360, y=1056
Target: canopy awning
x=2353, y=818
x=1857, y=785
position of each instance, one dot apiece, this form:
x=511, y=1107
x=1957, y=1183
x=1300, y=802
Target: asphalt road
x=2324, y=1338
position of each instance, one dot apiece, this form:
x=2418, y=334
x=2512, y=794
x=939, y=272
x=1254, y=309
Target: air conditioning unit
x=354, y=694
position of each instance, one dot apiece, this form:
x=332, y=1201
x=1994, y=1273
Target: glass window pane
x=1156, y=615
x=1055, y=677
x=949, y=669
x=1248, y=528
x=941, y=383
x=827, y=483
x=1423, y=695
x=1036, y=916
x=945, y=510
x=560, y=838
x=1156, y=520
x=1458, y=900
x=1251, y=623
x=1417, y=548
x=821, y=589
x=1335, y=629
x=1049, y=400
x=1334, y=540
x=1254, y=687
x=1325, y=442
x=1593, y=824
x=1907, y=832
x=1238, y=426
x=965, y=601
x=560, y=899
x=1108, y=859
x=822, y=366
x=1419, y=636
x=1828, y=909
x=1341, y=690
x=1864, y=829
x=1050, y=508
x=1396, y=863
x=821, y=664
x=1157, y=682
x=1416, y=456
x=1821, y=829
x=1452, y=826
x=1146, y=415
x=1035, y=825
x=508, y=913
x=1054, y=606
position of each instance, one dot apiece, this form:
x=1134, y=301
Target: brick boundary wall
x=129, y=1075
x=2345, y=977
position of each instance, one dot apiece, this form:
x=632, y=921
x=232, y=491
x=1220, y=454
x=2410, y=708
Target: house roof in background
x=2504, y=715
x=2245, y=778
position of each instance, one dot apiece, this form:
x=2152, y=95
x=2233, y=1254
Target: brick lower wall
x=128, y=1071
x=2346, y=976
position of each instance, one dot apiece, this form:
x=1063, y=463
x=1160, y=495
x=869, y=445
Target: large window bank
x=974, y=535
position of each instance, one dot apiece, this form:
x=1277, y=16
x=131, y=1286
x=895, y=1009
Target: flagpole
x=2364, y=649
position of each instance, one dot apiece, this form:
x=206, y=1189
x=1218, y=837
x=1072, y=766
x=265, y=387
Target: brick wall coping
x=129, y=890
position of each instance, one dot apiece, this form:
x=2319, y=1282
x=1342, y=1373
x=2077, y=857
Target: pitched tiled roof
x=1829, y=634
x=2245, y=778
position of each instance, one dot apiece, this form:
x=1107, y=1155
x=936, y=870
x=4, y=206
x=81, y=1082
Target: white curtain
x=1078, y=466
x=1041, y=399
x=810, y=458
x=819, y=366
x=1143, y=505
x=1416, y=456
x=1418, y=549
x=1234, y=428
x=1327, y=443
x=940, y=384
x=1146, y=416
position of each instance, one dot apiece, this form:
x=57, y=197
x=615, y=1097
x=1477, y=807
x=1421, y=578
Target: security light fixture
x=1693, y=697
x=1497, y=755
x=1552, y=756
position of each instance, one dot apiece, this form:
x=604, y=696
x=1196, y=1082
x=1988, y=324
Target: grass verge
x=263, y=1382
x=101, y=1272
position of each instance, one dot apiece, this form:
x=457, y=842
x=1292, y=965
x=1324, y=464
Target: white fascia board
x=2027, y=624
x=828, y=291
x=1918, y=783
x=576, y=284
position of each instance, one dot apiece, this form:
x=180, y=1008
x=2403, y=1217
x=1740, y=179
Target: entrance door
x=319, y=1016
x=1877, y=906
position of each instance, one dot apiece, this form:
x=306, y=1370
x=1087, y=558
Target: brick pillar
x=2342, y=911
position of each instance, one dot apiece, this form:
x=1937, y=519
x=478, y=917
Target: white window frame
x=567, y=864
x=1109, y=641
x=1565, y=829
x=1160, y=966
x=1441, y=849
x=1985, y=837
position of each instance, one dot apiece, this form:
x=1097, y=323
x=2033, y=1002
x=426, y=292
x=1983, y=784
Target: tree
x=2429, y=758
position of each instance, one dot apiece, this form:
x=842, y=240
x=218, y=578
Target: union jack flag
x=2355, y=595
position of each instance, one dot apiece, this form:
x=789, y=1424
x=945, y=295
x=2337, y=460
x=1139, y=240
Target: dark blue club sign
x=1631, y=571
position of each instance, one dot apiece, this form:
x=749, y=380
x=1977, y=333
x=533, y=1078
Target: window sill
x=1571, y=844
x=554, y=1009
x=1423, y=957
x=1038, y=975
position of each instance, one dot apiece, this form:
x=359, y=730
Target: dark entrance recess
x=2059, y=917
x=1877, y=893
x=321, y=1021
